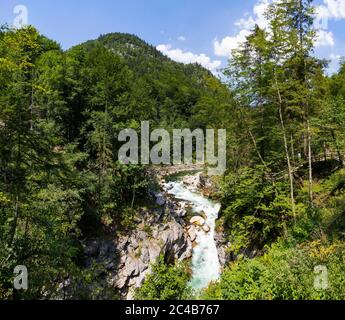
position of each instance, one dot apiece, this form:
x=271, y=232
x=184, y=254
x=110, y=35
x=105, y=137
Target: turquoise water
x=205, y=261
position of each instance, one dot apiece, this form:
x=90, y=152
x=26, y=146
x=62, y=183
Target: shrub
x=165, y=282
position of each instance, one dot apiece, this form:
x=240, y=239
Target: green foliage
x=60, y=180
x=290, y=129
x=165, y=282
x=284, y=273
x=162, y=91
x=256, y=210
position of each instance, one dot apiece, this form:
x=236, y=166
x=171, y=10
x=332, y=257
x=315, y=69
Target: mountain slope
x=174, y=88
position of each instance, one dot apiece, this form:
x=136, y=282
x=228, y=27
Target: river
x=205, y=261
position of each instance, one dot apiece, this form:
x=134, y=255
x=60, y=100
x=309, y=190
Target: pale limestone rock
x=197, y=220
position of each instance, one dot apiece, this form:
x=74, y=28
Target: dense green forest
x=61, y=113
x=282, y=197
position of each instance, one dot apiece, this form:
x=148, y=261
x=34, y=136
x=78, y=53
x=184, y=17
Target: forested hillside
x=60, y=116
x=282, y=197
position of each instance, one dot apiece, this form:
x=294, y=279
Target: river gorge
x=205, y=260
x=180, y=225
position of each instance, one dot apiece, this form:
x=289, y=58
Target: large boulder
x=198, y=221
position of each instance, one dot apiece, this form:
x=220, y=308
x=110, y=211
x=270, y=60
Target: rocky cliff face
x=128, y=259
x=222, y=245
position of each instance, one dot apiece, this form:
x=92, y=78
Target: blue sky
x=201, y=31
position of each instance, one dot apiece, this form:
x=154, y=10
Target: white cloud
x=332, y=9
x=258, y=16
x=329, y=10
x=187, y=57
x=324, y=39
x=181, y=38
x=225, y=46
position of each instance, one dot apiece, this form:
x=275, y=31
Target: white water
x=205, y=261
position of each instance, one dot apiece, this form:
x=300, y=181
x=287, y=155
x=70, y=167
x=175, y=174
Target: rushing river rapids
x=205, y=264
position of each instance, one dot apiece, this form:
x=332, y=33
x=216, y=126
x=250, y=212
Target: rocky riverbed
x=172, y=230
